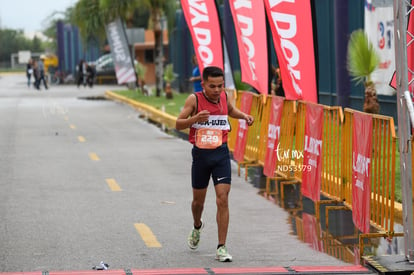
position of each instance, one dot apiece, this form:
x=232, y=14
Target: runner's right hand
x=203, y=116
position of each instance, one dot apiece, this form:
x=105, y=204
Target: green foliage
x=140, y=18
x=141, y=70
x=172, y=106
x=92, y=16
x=240, y=86
x=13, y=41
x=169, y=75
x=90, y=19
x=170, y=7
x=67, y=17
x=362, y=58
x=123, y=9
x=139, y=13
x=51, y=31
x=37, y=45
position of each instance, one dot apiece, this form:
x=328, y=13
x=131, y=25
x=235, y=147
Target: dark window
x=149, y=56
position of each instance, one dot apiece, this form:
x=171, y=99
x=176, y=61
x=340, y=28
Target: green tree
x=160, y=10
x=91, y=16
x=37, y=45
x=362, y=60
x=13, y=41
x=169, y=77
x=123, y=9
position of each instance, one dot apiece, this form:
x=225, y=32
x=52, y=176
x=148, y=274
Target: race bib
x=208, y=138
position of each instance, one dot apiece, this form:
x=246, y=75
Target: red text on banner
x=202, y=20
x=312, y=155
x=273, y=135
x=291, y=26
x=241, y=139
x=361, y=170
x=250, y=26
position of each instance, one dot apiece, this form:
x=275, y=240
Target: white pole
x=405, y=112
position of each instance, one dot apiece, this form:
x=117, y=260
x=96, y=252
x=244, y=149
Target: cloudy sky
x=30, y=15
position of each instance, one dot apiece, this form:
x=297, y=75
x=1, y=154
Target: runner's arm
x=236, y=113
x=186, y=118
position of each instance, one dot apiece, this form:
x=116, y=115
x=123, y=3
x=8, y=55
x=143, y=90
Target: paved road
x=84, y=181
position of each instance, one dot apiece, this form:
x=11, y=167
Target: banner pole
x=401, y=9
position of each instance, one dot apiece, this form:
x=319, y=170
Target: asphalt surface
x=85, y=180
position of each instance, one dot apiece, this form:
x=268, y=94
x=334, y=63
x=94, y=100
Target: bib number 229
x=208, y=138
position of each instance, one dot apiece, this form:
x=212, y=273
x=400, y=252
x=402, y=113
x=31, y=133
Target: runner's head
x=213, y=82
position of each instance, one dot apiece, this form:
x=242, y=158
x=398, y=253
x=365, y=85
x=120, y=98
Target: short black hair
x=212, y=71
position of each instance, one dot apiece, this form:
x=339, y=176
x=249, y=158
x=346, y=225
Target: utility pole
x=402, y=11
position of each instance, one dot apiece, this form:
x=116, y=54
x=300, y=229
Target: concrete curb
x=149, y=112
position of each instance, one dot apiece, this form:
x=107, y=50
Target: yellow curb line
x=150, y=112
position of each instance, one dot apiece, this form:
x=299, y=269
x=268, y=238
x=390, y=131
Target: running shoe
x=194, y=237
x=222, y=255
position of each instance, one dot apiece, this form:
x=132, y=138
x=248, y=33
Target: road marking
x=81, y=139
x=147, y=236
x=94, y=156
x=72, y=126
x=113, y=185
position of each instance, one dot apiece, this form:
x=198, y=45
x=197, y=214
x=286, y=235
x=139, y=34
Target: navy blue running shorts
x=208, y=163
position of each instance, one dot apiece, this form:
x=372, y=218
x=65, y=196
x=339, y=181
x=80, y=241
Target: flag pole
x=404, y=127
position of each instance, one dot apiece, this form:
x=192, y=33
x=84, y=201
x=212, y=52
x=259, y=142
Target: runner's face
x=213, y=87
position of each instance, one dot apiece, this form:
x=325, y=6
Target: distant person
x=196, y=76
x=277, y=87
x=82, y=73
x=41, y=78
x=29, y=71
x=36, y=74
x=90, y=75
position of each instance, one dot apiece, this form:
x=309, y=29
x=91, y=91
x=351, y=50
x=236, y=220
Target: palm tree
x=169, y=77
x=158, y=10
x=362, y=60
x=123, y=9
x=141, y=71
x=89, y=18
